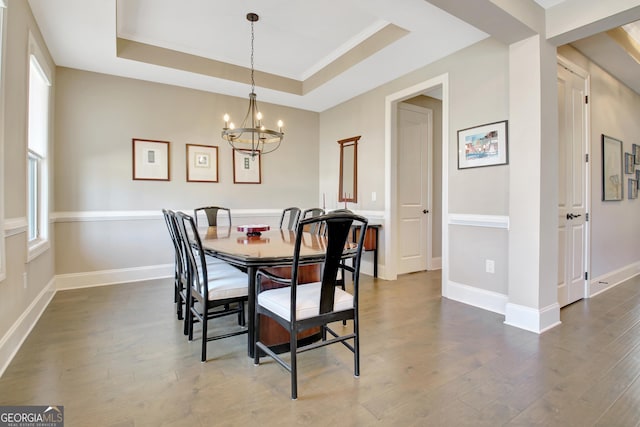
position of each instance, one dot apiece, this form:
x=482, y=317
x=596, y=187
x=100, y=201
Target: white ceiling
x=293, y=39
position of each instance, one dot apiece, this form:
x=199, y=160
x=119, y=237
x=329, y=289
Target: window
x=38, y=141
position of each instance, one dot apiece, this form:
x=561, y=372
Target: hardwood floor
x=116, y=356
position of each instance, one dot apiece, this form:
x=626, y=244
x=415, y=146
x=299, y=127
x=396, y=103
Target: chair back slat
x=192, y=246
x=291, y=215
x=211, y=213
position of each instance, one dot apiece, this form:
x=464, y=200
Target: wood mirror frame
x=348, y=182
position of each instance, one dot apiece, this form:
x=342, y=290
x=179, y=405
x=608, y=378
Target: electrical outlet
x=490, y=266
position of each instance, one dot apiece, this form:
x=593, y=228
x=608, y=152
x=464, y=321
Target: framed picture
x=636, y=154
x=632, y=189
x=629, y=163
x=150, y=160
x=611, y=168
x=202, y=163
x=246, y=168
x=484, y=145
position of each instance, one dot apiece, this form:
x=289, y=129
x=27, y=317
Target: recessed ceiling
x=310, y=55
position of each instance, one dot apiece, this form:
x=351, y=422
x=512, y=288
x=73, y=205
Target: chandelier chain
x=253, y=83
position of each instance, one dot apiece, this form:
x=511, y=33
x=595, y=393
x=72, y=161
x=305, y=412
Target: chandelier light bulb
x=259, y=115
x=280, y=124
x=232, y=126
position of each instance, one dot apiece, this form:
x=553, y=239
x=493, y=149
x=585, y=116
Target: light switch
x=374, y=196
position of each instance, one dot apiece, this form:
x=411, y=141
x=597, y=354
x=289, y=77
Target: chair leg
x=241, y=318
x=204, y=332
x=256, y=338
x=356, y=347
x=190, y=319
x=293, y=345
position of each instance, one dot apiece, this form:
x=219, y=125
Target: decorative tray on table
x=253, y=229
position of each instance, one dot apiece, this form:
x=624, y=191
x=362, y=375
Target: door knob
x=570, y=216
x=425, y=211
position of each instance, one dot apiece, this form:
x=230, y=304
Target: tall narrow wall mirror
x=348, y=183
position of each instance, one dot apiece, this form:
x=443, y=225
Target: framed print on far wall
x=246, y=168
x=632, y=189
x=629, y=165
x=150, y=160
x=202, y=163
x=611, y=168
x=636, y=154
x=484, y=145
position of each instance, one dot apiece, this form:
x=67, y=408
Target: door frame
x=391, y=173
x=575, y=69
x=429, y=199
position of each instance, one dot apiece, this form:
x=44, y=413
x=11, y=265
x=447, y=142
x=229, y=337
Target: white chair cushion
x=307, y=301
x=228, y=287
x=225, y=281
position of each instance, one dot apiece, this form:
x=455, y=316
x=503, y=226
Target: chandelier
x=252, y=136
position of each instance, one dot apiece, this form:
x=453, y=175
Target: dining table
x=269, y=248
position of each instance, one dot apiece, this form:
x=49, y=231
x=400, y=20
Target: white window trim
x=3, y=26
x=40, y=245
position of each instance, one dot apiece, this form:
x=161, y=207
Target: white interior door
x=414, y=185
x=572, y=191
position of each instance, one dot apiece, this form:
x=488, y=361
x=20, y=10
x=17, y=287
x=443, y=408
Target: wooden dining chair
x=213, y=291
x=211, y=213
x=169, y=219
x=315, y=228
x=299, y=307
x=289, y=219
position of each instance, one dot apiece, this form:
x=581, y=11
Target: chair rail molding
x=13, y=226
x=476, y=220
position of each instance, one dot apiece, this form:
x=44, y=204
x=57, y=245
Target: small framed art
x=246, y=168
x=632, y=189
x=629, y=163
x=484, y=145
x=202, y=163
x=150, y=160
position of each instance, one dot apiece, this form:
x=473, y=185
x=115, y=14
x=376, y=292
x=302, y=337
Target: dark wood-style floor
x=116, y=356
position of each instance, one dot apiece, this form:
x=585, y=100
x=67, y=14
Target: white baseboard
x=112, y=277
x=19, y=331
x=609, y=280
x=531, y=319
x=487, y=300
x=435, y=264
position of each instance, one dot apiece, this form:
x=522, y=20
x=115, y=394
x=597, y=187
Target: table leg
x=251, y=309
x=375, y=255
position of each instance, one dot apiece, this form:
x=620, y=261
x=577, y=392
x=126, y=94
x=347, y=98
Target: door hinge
x=586, y=158
x=586, y=276
x=586, y=99
x=586, y=217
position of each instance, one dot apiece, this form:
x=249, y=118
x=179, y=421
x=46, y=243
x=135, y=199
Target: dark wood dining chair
x=299, y=307
x=169, y=219
x=214, y=290
x=211, y=213
x=289, y=218
x=315, y=228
